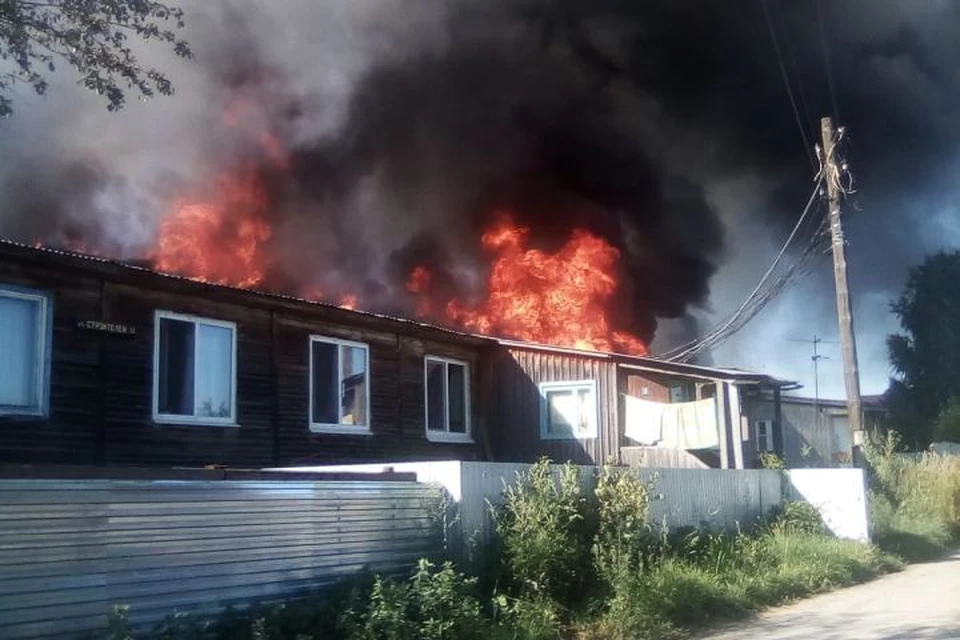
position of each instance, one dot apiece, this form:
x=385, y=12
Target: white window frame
x=445, y=436
x=41, y=375
x=172, y=418
x=574, y=385
x=347, y=429
x=764, y=444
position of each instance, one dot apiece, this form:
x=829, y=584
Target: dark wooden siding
x=70, y=432
x=131, y=435
x=644, y=386
x=516, y=425
x=396, y=397
x=101, y=389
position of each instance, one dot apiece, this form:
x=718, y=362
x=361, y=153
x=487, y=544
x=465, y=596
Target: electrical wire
x=786, y=83
x=834, y=170
x=793, y=68
x=760, y=296
x=826, y=61
x=835, y=173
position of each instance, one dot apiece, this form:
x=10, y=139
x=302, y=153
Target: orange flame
x=348, y=301
x=420, y=282
x=560, y=298
x=557, y=299
x=222, y=240
x=218, y=241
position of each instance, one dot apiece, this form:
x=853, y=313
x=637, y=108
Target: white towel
x=691, y=425
x=642, y=420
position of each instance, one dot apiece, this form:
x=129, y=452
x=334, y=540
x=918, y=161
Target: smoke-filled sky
x=667, y=130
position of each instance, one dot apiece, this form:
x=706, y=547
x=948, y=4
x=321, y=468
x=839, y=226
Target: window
x=339, y=386
x=194, y=370
x=683, y=392
x=24, y=362
x=764, y=435
x=568, y=410
x=447, y=389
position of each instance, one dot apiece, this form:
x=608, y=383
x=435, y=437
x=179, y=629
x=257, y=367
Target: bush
x=946, y=428
x=793, y=516
x=770, y=460
x=528, y=618
x=624, y=537
x=433, y=604
x=914, y=499
x=546, y=527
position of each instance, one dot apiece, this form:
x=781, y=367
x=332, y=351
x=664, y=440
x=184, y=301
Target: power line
x=758, y=298
x=786, y=83
x=826, y=60
x=770, y=286
x=794, y=68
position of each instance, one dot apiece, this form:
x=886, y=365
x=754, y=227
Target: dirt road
x=920, y=603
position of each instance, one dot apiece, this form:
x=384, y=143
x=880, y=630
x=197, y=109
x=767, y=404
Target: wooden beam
x=723, y=424
x=736, y=434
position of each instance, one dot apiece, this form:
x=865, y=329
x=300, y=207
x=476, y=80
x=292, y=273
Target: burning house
x=109, y=363
x=517, y=239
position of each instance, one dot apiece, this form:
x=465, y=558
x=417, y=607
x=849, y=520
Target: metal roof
x=647, y=363
x=873, y=402
x=10, y=246
x=629, y=361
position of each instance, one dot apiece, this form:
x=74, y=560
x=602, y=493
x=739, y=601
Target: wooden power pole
x=848, y=345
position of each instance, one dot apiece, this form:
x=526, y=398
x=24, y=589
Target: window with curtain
x=568, y=410
x=447, y=389
x=194, y=369
x=23, y=345
x=339, y=385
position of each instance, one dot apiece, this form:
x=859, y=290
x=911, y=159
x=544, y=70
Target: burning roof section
x=93, y=262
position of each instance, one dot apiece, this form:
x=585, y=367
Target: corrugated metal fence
x=715, y=499
x=718, y=499
x=70, y=550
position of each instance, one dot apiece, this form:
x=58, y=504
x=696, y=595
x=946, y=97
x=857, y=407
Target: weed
x=546, y=528
x=793, y=516
x=914, y=499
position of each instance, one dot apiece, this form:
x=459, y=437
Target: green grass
x=914, y=501
x=680, y=595
x=591, y=567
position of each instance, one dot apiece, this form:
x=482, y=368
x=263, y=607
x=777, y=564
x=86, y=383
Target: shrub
x=770, y=460
x=914, y=499
x=434, y=604
x=546, y=528
x=946, y=428
x=624, y=537
x=793, y=516
x=528, y=618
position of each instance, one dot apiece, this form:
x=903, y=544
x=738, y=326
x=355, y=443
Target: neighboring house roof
x=646, y=363
x=126, y=269
x=870, y=402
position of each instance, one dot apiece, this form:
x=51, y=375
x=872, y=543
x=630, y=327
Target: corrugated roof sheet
x=649, y=362
x=131, y=267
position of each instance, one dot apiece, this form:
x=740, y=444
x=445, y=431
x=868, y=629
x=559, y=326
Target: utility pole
x=848, y=345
